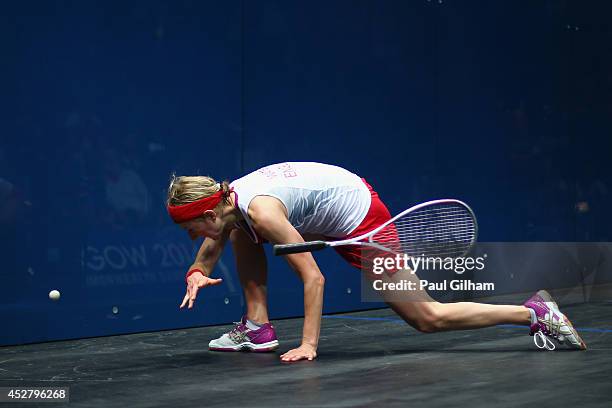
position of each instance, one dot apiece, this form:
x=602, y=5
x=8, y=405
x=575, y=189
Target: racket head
x=435, y=229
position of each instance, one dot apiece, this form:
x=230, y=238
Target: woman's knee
x=238, y=237
x=426, y=317
x=244, y=248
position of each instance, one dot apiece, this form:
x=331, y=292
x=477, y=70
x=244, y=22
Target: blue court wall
x=503, y=104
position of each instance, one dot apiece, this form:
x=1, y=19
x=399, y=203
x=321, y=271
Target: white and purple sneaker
x=547, y=322
x=242, y=338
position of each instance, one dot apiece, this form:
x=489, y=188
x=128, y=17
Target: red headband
x=189, y=211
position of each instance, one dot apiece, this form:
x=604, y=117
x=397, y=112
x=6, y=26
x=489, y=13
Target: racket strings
x=445, y=230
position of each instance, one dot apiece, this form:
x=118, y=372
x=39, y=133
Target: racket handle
x=297, y=248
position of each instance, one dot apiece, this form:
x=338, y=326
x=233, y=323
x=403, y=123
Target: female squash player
x=288, y=202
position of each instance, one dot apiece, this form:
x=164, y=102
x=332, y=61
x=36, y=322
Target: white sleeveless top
x=320, y=198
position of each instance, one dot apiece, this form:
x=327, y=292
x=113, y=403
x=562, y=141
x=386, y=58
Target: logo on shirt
x=283, y=169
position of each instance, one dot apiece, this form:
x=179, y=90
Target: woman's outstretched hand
x=195, y=282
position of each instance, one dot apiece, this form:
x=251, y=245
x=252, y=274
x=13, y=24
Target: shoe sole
x=255, y=348
x=548, y=299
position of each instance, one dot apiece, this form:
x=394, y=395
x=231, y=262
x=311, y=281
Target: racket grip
x=285, y=249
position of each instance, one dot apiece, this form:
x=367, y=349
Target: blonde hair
x=187, y=189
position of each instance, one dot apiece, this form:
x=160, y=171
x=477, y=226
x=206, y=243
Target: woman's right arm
x=209, y=253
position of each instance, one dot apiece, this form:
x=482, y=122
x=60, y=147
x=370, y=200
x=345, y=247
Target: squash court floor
x=368, y=358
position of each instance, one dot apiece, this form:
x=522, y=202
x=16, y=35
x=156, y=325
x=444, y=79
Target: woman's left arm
x=270, y=221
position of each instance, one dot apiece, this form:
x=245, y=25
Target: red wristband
x=192, y=271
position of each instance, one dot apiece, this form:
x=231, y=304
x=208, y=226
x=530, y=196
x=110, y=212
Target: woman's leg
x=416, y=307
x=425, y=314
x=253, y=274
